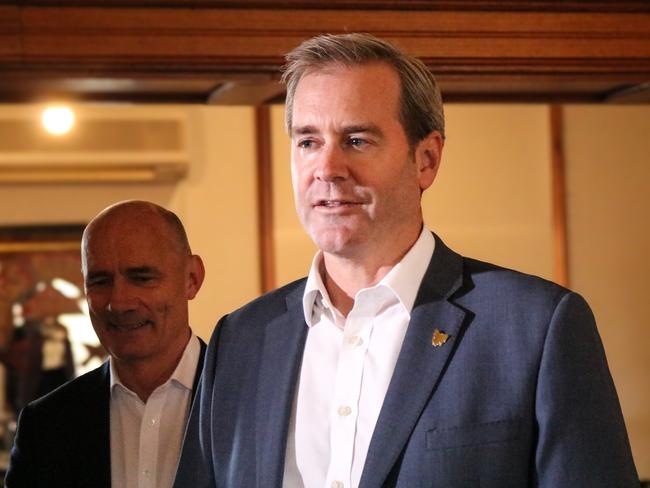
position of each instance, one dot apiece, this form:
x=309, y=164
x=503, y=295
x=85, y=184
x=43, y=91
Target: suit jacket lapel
x=418, y=360
x=94, y=433
x=280, y=362
x=199, y=370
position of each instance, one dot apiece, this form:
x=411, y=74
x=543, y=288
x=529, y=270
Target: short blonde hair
x=420, y=104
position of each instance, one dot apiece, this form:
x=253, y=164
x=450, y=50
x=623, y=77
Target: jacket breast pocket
x=470, y=435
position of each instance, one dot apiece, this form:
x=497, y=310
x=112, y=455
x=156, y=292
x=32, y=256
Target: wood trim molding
x=540, y=51
x=455, y=5
x=558, y=185
x=211, y=39
x=265, y=198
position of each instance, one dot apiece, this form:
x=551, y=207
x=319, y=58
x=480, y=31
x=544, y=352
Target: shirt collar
x=406, y=276
x=403, y=279
x=314, y=289
x=183, y=374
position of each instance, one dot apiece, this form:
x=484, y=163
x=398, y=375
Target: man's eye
x=142, y=278
x=95, y=282
x=357, y=142
x=305, y=143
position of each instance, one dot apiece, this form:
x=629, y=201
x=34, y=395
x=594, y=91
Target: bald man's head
x=140, y=212
x=139, y=274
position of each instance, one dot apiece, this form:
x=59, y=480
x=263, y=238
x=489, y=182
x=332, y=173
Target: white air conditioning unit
x=106, y=144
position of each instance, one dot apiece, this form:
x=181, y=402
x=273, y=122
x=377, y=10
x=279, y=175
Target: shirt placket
x=149, y=437
x=345, y=407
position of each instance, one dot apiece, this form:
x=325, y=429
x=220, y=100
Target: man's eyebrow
x=349, y=129
x=143, y=270
x=303, y=130
x=363, y=128
x=96, y=274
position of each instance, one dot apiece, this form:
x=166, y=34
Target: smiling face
x=138, y=279
x=357, y=182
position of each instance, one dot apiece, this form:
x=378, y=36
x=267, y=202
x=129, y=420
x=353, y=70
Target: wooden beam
x=558, y=182
x=265, y=198
x=213, y=40
x=520, y=51
x=457, y=5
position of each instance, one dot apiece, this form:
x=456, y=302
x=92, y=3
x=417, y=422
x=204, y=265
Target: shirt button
x=344, y=411
x=355, y=341
x=153, y=421
x=337, y=484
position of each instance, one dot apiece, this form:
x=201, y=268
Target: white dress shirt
x=146, y=437
x=346, y=368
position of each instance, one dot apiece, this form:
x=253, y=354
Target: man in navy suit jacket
x=109, y=426
x=397, y=362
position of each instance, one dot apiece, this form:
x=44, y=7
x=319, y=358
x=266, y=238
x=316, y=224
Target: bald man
x=122, y=424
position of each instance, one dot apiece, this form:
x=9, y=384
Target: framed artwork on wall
x=46, y=337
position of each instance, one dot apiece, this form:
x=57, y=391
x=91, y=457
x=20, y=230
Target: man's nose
x=332, y=164
x=122, y=298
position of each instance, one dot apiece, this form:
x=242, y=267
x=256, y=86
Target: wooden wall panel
x=455, y=5
x=10, y=40
x=472, y=50
x=265, y=198
x=558, y=191
x=262, y=36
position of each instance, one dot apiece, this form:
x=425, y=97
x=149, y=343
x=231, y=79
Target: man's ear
x=196, y=274
x=428, y=154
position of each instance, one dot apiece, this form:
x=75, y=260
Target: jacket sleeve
x=23, y=463
x=582, y=441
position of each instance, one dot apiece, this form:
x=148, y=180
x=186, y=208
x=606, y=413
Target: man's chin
x=342, y=245
x=129, y=354
x=129, y=345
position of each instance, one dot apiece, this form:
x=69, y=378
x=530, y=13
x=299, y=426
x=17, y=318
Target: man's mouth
x=128, y=326
x=335, y=203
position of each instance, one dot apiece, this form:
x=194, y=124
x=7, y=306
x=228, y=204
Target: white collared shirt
x=346, y=368
x=146, y=437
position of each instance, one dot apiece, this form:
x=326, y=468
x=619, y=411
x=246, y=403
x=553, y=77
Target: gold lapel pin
x=439, y=338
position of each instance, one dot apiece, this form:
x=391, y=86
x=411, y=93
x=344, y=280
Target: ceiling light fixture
x=58, y=120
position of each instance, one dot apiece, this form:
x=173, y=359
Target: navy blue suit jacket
x=63, y=438
x=520, y=394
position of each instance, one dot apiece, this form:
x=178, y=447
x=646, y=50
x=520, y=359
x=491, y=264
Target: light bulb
x=58, y=120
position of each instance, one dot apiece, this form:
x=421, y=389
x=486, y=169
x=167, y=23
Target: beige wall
x=492, y=199
x=608, y=197
x=216, y=201
x=293, y=249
